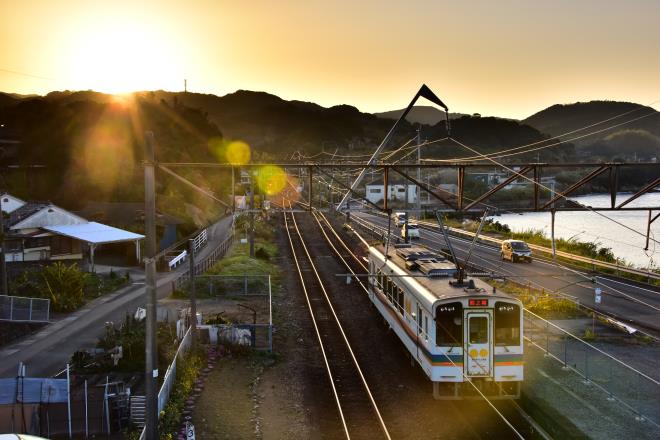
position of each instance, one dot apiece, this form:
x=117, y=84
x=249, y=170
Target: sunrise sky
x=506, y=58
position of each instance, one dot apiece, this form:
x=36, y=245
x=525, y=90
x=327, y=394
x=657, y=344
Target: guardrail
x=635, y=390
x=208, y=261
x=616, y=267
x=201, y=240
x=174, y=262
x=24, y=309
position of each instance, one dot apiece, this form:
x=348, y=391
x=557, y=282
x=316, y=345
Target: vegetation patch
x=540, y=302
x=67, y=287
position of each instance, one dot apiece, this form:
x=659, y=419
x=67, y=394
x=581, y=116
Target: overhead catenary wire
x=559, y=136
x=501, y=154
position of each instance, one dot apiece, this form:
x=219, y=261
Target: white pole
x=68, y=397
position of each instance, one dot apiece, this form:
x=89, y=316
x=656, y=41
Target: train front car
x=467, y=339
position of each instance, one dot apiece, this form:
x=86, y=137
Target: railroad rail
x=358, y=411
x=522, y=421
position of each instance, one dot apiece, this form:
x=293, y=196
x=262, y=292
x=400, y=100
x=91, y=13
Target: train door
x=477, y=352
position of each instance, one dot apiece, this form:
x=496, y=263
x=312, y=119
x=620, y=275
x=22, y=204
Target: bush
x=262, y=254
x=64, y=285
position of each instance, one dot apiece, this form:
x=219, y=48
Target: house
x=375, y=191
x=40, y=232
x=10, y=203
x=130, y=216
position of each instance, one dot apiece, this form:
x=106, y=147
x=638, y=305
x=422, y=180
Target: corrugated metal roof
x=96, y=233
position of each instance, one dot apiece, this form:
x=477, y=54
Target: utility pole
x=151, y=361
x=552, y=234
x=233, y=191
x=193, y=299
x=185, y=86
x=3, y=266
x=252, y=216
x=419, y=171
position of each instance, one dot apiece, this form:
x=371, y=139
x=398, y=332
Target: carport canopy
x=96, y=234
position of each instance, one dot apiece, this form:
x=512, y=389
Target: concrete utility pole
x=151, y=361
x=3, y=265
x=552, y=234
x=419, y=171
x=252, y=216
x=193, y=298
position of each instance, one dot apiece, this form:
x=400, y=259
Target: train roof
x=434, y=287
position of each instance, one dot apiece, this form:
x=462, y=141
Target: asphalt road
x=637, y=305
x=46, y=352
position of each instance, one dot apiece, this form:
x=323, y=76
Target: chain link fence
x=620, y=382
x=22, y=309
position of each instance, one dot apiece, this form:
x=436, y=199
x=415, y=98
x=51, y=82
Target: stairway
x=138, y=406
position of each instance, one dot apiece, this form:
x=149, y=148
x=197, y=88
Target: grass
x=540, y=302
x=238, y=263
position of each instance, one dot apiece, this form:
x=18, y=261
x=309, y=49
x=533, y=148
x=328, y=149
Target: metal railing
x=620, y=382
x=201, y=240
x=230, y=285
x=180, y=258
x=649, y=274
x=207, y=262
x=23, y=309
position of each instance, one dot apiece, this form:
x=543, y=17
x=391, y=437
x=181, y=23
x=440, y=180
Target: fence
x=635, y=390
x=206, y=263
x=229, y=285
x=170, y=374
x=22, y=309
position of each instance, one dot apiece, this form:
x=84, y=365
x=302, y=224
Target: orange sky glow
x=507, y=58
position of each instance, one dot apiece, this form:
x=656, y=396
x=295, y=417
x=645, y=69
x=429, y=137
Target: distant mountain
x=7, y=99
x=420, y=114
x=278, y=127
x=562, y=118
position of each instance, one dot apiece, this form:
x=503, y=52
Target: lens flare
x=271, y=179
x=238, y=153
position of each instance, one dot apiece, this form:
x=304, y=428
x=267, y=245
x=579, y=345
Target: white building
x=45, y=232
x=396, y=191
x=10, y=203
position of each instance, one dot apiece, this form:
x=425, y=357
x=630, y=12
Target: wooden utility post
x=193, y=296
x=151, y=361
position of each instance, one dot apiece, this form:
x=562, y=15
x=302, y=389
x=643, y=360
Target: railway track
x=515, y=417
x=358, y=411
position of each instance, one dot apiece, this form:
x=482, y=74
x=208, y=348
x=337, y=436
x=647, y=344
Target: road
x=635, y=304
x=46, y=352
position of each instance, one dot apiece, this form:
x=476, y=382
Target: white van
x=413, y=230
x=399, y=218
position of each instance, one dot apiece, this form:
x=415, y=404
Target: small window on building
x=374, y=190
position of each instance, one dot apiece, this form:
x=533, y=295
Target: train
x=466, y=336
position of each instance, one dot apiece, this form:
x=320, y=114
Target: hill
x=420, y=114
x=562, y=118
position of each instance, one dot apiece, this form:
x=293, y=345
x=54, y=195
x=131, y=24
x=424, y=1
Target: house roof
x=94, y=233
x=39, y=214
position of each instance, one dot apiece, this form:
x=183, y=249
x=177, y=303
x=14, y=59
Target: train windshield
x=507, y=323
x=449, y=325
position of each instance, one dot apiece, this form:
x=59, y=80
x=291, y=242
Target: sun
x=119, y=57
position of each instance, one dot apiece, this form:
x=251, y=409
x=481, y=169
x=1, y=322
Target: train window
x=426, y=328
x=449, y=325
x=507, y=323
x=478, y=330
